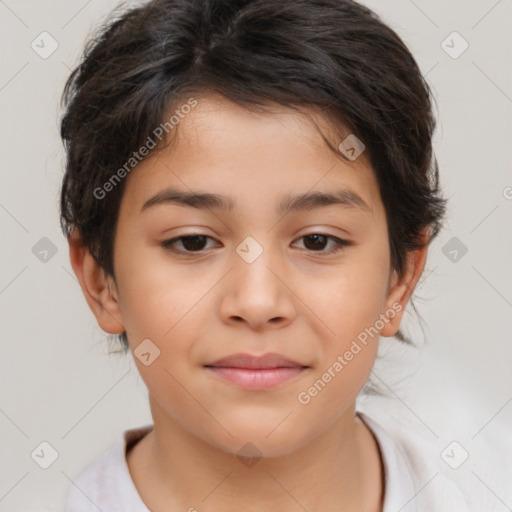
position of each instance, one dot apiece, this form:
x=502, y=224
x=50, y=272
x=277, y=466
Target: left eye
x=314, y=242
x=317, y=241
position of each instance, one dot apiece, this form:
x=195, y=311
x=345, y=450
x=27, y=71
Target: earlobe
x=401, y=289
x=99, y=289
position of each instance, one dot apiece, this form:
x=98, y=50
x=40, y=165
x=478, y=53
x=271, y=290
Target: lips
x=266, y=361
x=256, y=372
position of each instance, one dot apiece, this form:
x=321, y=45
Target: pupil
x=316, y=238
x=193, y=242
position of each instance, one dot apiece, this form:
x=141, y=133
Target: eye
x=190, y=243
x=316, y=242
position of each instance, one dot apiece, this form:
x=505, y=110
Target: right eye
x=190, y=243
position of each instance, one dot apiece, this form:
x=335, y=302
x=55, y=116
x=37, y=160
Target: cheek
x=351, y=311
x=154, y=296
x=354, y=299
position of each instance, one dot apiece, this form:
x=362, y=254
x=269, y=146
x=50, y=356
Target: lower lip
x=257, y=379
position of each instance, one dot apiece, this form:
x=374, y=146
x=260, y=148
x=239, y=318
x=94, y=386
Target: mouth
x=256, y=372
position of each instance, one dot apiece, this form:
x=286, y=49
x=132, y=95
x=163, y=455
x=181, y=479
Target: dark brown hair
x=333, y=55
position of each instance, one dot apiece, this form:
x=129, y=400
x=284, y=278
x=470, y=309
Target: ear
x=401, y=287
x=99, y=289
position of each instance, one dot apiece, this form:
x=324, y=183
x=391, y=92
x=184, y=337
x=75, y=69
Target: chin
x=262, y=440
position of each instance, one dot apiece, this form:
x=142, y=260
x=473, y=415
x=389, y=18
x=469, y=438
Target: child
x=249, y=196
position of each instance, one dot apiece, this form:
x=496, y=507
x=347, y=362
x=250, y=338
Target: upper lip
x=265, y=361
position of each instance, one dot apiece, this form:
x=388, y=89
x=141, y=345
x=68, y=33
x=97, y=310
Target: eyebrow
x=289, y=203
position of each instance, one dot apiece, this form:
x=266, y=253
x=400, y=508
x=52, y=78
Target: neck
x=341, y=467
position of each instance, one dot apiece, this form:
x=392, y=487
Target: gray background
x=58, y=382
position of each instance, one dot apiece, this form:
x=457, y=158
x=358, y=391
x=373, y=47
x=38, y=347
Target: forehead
x=254, y=157
x=217, y=122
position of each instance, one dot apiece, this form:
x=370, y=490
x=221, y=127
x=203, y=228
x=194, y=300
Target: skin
x=294, y=300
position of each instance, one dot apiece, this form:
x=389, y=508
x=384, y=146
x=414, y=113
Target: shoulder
x=413, y=481
x=105, y=484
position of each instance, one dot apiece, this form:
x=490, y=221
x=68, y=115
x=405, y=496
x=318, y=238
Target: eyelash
x=340, y=244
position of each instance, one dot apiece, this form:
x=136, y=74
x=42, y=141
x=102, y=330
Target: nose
x=257, y=294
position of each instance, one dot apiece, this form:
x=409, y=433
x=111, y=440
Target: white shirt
x=410, y=484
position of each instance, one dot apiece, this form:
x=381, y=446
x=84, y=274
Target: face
x=258, y=272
